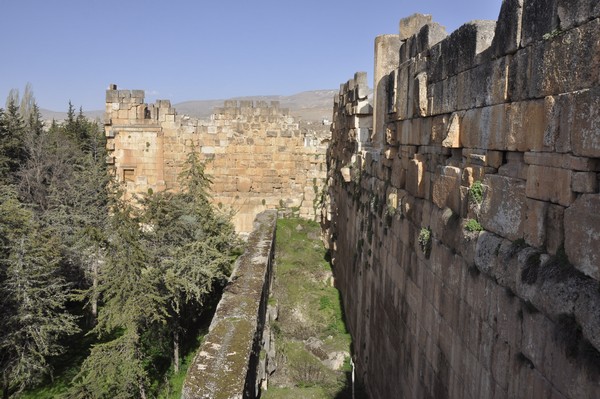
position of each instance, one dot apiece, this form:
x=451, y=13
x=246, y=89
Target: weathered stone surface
x=457, y=313
x=446, y=188
x=387, y=56
x=503, y=208
x=415, y=177
x=535, y=223
x=420, y=100
x=573, y=13
x=539, y=18
x=554, y=75
x=550, y=184
x=584, y=182
x=585, y=128
x=582, y=234
x=225, y=359
x=452, y=139
x=458, y=50
x=410, y=26
x=508, y=30
x=429, y=35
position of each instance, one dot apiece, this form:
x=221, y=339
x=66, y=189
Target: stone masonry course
x=462, y=208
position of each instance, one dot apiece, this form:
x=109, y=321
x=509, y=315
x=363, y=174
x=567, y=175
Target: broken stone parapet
x=226, y=365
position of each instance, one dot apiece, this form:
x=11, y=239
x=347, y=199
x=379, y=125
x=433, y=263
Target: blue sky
x=187, y=50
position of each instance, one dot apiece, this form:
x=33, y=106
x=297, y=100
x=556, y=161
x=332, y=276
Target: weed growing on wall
x=425, y=240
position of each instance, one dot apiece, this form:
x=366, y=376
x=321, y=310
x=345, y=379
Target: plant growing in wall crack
x=425, y=241
x=473, y=225
x=475, y=200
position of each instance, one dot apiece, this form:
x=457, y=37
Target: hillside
x=313, y=105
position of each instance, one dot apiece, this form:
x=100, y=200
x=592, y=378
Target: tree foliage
x=33, y=296
x=74, y=255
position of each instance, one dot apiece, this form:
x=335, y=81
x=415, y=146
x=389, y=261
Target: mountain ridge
x=312, y=105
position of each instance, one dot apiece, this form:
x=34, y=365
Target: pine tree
x=12, y=147
x=33, y=296
x=131, y=303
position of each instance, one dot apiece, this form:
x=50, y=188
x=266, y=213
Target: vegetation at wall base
x=310, y=326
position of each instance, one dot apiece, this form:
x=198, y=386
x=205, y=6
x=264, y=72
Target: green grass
x=171, y=389
x=295, y=393
x=473, y=225
x=309, y=308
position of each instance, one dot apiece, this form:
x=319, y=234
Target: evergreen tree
x=12, y=147
x=33, y=296
x=131, y=303
x=162, y=262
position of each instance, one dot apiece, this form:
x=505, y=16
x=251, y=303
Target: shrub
x=425, y=240
x=473, y=225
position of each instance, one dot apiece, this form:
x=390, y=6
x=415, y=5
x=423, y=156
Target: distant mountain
x=48, y=115
x=309, y=105
x=313, y=105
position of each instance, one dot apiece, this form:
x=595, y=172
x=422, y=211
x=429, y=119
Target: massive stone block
x=504, y=206
x=573, y=13
x=539, y=18
x=507, y=36
x=550, y=184
x=582, y=234
x=457, y=52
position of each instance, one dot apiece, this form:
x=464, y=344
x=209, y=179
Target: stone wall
x=228, y=364
x=257, y=155
x=463, y=214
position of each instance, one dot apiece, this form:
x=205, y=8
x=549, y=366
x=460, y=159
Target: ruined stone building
x=463, y=211
x=255, y=153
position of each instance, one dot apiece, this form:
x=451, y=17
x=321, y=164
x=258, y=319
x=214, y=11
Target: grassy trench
x=311, y=341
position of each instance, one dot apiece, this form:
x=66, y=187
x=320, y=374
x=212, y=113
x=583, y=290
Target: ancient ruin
x=256, y=154
x=462, y=200
x=463, y=211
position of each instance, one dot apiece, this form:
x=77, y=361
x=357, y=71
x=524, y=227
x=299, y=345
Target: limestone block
x=564, y=161
x=485, y=128
x=439, y=126
x=444, y=96
x=390, y=134
x=527, y=124
x=585, y=128
x=539, y=17
x=452, y=139
x=535, y=223
x=520, y=76
x=446, y=188
x=409, y=26
x=584, y=182
x=550, y=184
x=408, y=132
x=574, y=50
x=503, y=208
x=555, y=232
x=415, y=179
x=401, y=100
x=508, y=29
x=429, y=35
x=573, y=13
x=494, y=158
x=420, y=99
x=582, y=234
x=457, y=52
x=363, y=107
x=398, y=174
